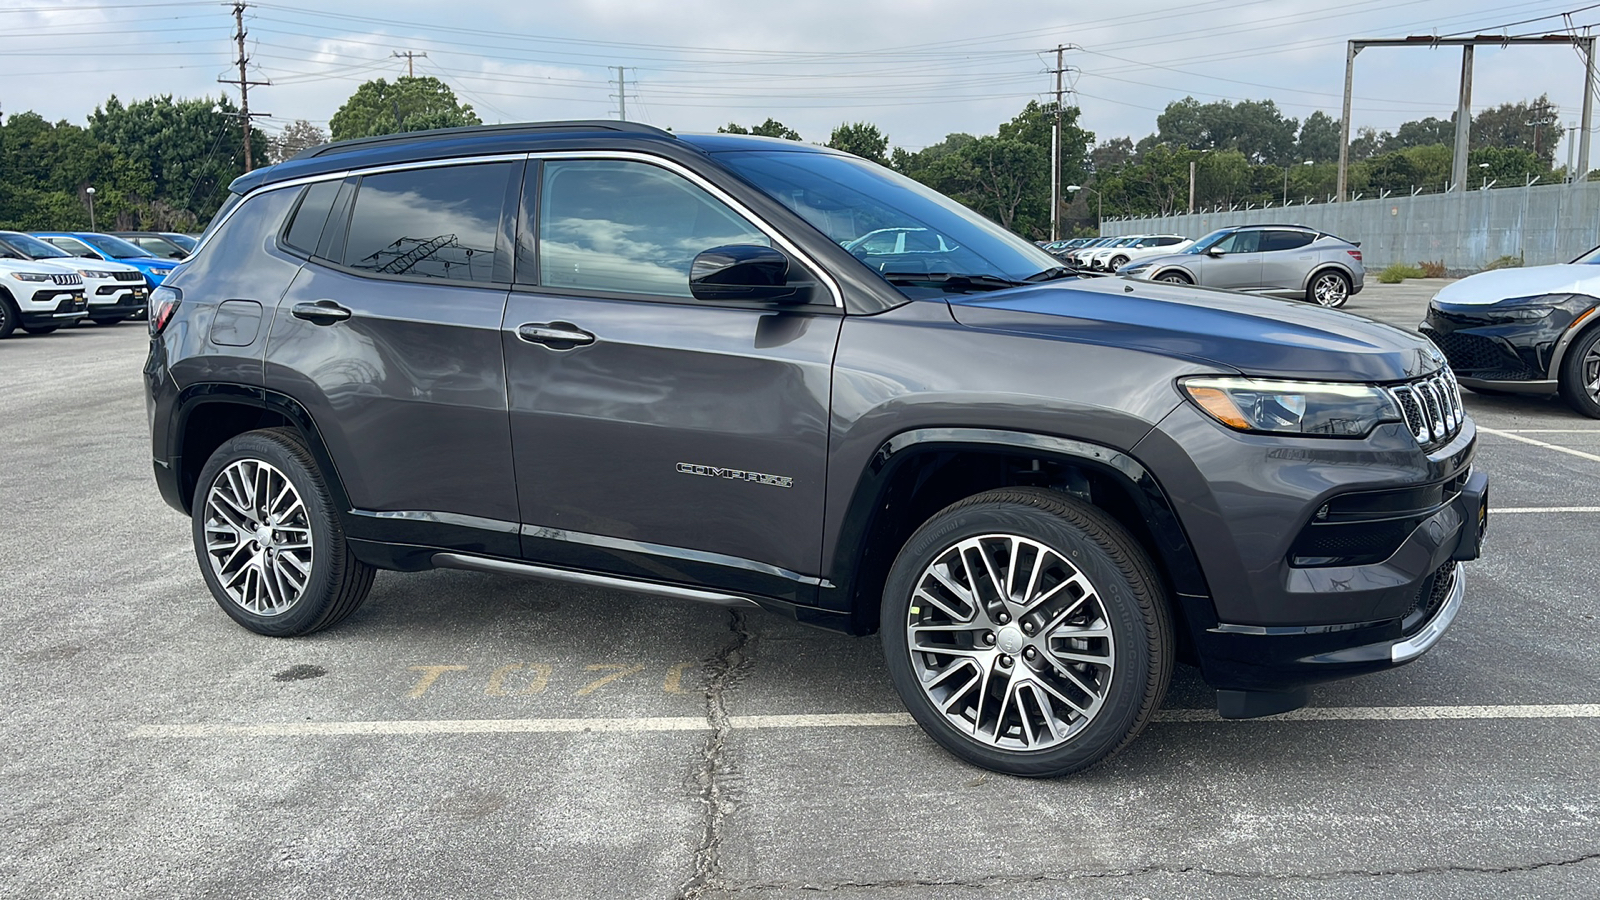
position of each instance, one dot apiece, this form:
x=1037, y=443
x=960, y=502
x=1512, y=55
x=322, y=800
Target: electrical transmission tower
x=244, y=83
x=621, y=96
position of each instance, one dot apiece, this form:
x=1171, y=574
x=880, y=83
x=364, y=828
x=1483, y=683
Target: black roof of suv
x=606, y=355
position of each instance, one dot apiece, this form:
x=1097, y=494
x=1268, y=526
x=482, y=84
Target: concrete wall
x=1543, y=224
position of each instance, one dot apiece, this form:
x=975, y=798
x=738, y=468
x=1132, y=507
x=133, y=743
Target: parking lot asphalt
x=465, y=735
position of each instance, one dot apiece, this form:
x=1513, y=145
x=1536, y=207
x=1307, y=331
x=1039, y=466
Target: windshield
x=1592, y=258
x=114, y=246
x=28, y=245
x=184, y=241
x=1205, y=243
x=893, y=224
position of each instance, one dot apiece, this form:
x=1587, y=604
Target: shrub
x=1431, y=269
x=1399, y=272
x=1504, y=262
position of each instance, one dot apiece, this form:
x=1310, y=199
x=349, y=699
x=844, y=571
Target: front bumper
x=55, y=307
x=118, y=300
x=1506, y=348
x=1324, y=558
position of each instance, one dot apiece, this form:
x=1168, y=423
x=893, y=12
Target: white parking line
x=1547, y=430
x=1515, y=510
x=1527, y=440
x=838, y=720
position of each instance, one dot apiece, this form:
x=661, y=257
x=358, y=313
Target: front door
x=1239, y=266
x=655, y=435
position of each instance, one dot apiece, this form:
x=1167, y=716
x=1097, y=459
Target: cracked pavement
x=108, y=628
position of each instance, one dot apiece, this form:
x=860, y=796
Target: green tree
x=408, y=104
x=863, y=139
x=1530, y=125
x=1319, y=138
x=1422, y=133
x=181, y=152
x=770, y=128
x=298, y=135
x=1255, y=128
x=1008, y=181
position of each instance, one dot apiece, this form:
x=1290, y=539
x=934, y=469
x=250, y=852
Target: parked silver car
x=1280, y=260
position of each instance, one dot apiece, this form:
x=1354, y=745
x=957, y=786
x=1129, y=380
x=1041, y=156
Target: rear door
x=390, y=337
x=666, y=438
x=1286, y=260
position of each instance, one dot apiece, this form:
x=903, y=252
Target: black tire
x=1116, y=263
x=9, y=317
x=1124, y=601
x=1579, y=379
x=1174, y=278
x=112, y=320
x=336, y=584
x=1329, y=288
x=40, y=329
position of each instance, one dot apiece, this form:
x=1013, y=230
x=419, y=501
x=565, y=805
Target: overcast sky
x=919, y=69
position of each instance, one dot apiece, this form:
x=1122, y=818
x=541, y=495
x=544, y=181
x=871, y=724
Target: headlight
x=1292, y=407
x=30, y=276
x=91, y=273
x=1135, y=270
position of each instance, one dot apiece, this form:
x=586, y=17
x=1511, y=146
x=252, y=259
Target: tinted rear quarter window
x=305, y=229
x=1286, y=240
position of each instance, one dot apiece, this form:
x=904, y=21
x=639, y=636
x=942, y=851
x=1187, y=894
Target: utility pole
x=622, y=93
x=1572, y=128
x=1055, y=154
x=244, y=83
x=1191, y=187
x=1458, y=168
x=411, y=61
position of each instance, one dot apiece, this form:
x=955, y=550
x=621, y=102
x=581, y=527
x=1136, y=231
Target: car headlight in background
x=1309, y=408
x=1135, y=270
x=34, y=277
x=91, y=273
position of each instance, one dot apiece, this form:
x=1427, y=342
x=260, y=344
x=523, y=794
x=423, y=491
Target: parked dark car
x=156, y=244
x=605, y=354
x=1524, y=331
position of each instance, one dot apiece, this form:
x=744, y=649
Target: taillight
x=163, y=303
x=1355, y=253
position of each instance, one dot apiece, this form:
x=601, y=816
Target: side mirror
x=742, y=272
x=1215, y=252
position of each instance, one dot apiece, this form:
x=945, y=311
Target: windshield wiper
x=952, y=282
x=1052, y=273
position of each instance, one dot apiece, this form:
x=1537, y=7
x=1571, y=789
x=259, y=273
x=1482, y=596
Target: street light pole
x=90, y=192
x=1099, y=202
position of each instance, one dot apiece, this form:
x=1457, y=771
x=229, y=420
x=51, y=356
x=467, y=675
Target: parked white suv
x=38, y=296
x=1119, y=253
x=114, y=290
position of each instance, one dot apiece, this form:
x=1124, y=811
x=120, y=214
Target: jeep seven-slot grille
x=129, y=276
x=1431, y=407
x=67, y=279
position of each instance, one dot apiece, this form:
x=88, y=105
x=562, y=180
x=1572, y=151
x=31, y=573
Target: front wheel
x=1330, y=289
x=1580, y=375
x=1026, y=632
x=1175, y=278
x=1117, y=263
x=8, y=316
x=269, y=541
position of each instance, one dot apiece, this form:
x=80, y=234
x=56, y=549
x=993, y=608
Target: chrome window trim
x=773, y=234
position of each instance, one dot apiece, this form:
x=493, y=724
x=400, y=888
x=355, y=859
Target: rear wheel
x=1026, y=632
x=1329, y=288
x=1580, y=375
x=268, y=538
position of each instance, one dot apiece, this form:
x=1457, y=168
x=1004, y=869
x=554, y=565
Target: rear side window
x=438, y=223
x=1286, y=240
x=305, y=229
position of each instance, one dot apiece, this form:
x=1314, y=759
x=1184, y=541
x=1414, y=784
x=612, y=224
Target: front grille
x=67, y=279
x=1431, y=407
x=129, y=276
x=1470, y=352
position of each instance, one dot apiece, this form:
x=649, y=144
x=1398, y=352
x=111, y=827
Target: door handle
x=556, y=335
x=322, y=312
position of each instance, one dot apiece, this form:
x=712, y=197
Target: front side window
x=629, y=227
x=438, y=223
x=1241, y=242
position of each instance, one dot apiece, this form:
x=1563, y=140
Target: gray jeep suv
x=1277, y=260
x=605, y=354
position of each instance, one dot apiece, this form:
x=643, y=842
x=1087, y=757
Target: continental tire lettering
x=782, y=481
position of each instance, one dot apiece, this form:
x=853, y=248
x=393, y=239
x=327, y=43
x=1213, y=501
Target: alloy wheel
x=1591, y=371
x=1330, y=290
x=1010, y=642
x=258, y=537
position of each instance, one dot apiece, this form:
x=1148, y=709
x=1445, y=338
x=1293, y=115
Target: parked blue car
x=104, y=246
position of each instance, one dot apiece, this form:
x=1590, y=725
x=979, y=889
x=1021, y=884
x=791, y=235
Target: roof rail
x=1274, y=225
x=473, y=130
